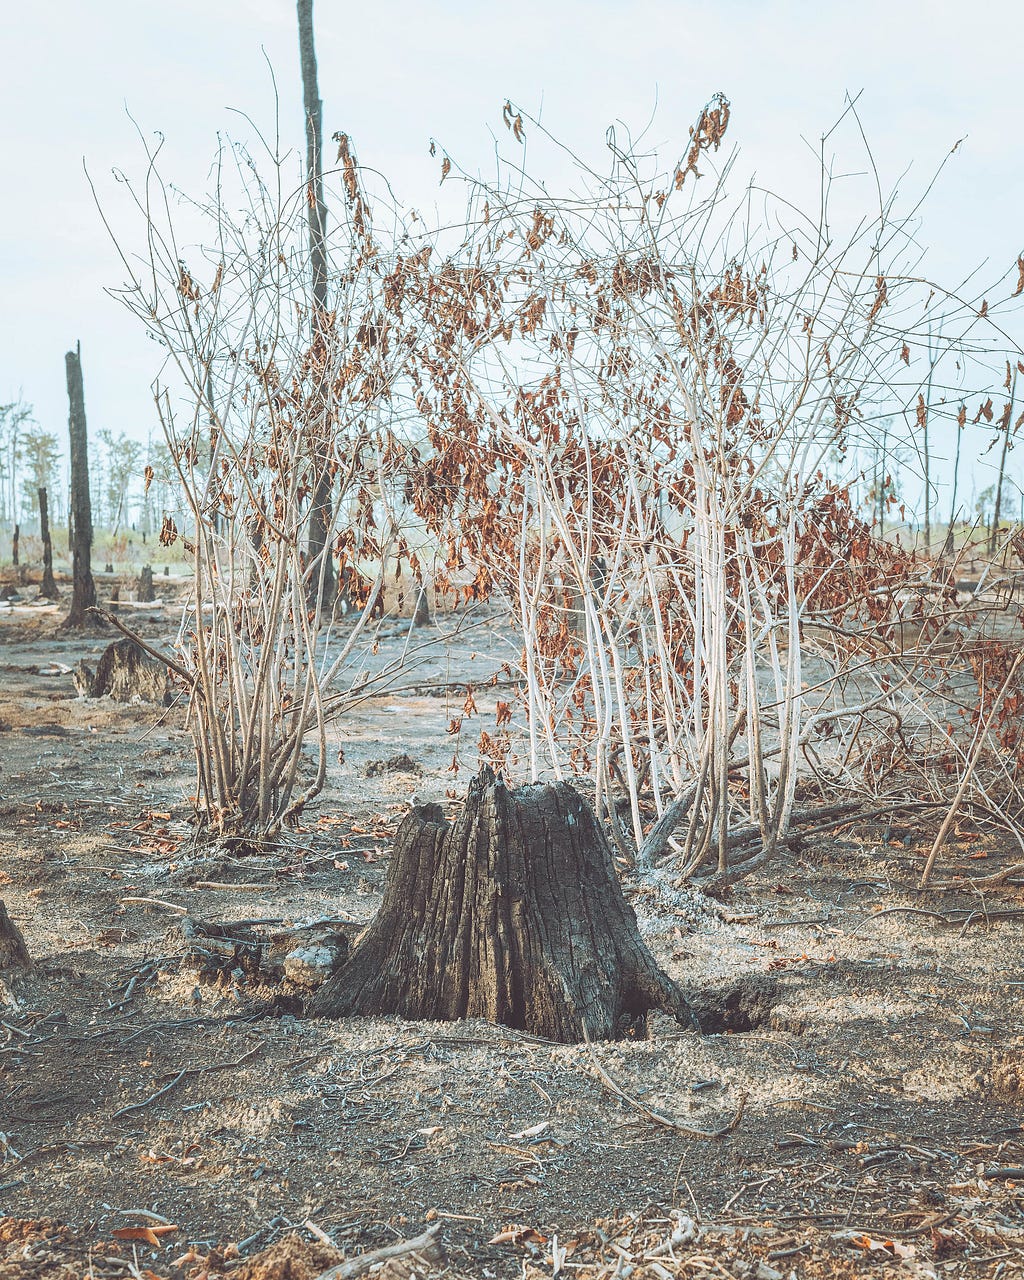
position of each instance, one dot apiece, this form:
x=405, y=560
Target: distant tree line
x=32, y=458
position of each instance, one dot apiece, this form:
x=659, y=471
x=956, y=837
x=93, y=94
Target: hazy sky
x=394, y=74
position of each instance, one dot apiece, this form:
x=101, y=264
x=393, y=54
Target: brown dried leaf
x=151, y=1234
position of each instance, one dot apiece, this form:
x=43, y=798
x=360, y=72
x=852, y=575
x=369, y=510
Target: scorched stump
x=13, y=952
x=511, y=913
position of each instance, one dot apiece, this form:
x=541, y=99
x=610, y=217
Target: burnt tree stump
x=13, y=952
x=144, y=591
x=49, y=586
x=511, y=913
x=126, y=673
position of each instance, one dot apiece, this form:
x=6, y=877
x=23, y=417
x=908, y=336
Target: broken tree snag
x=83, y=589
x=13, y=952
x=126, y=673
x=511, y=913
x=421, y=613
x=49, y=587
x=144, y=592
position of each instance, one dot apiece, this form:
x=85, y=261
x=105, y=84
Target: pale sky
x=394, y=73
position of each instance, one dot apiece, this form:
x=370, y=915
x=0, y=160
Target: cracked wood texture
x=512, y=913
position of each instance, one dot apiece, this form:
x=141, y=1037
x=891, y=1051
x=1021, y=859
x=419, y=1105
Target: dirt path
x=879, y=1050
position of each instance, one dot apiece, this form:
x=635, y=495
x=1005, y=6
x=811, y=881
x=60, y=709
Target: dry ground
x=879, y=1048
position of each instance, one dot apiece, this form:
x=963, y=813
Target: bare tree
x=13, y=420
x=318, y=549
x=256, y=410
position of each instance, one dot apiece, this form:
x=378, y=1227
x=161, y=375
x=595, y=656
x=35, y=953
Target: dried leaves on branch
x=634, y=414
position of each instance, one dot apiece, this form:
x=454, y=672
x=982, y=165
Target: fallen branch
x=953, y=919
x=188, y=1071
x=972, y=764
x=427, y=1246
x=134, y=636
x=659, y=1117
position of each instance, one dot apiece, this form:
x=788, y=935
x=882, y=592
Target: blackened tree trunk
x=144, y=590
x=49, y=587
x=512, y=913
x=83, y=589
x=421, y=614
x=13, y=952
x=14, y=545
x=318, y=550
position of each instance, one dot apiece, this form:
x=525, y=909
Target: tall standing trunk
x=318, y=550
x=83, y=589
x=954, y=511
x=925, y=419
x=15, y=540
x=1007, y=425
x=49, y=587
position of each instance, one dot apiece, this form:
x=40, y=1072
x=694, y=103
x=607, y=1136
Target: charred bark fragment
x=512, y=913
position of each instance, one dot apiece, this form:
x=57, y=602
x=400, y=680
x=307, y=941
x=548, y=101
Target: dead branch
x=427, y=1246
x=659, y=1117
x=972, y=764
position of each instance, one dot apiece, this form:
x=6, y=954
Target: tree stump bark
x=512, y=913
x=13, y=952
x=126, y=673
x=144, y=591
x=421, y=614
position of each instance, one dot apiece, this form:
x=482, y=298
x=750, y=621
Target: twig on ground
x=188, y=1071
x=138, y=1106
x=427, y=1245
x=222, y=887
x=659, y=1117
x=156, y=902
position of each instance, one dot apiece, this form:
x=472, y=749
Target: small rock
x=313, y=963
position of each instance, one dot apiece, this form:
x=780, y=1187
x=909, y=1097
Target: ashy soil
x=869, y=1037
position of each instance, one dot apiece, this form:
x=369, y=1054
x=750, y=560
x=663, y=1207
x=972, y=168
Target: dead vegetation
x=155, y=1077
x=762, y=752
